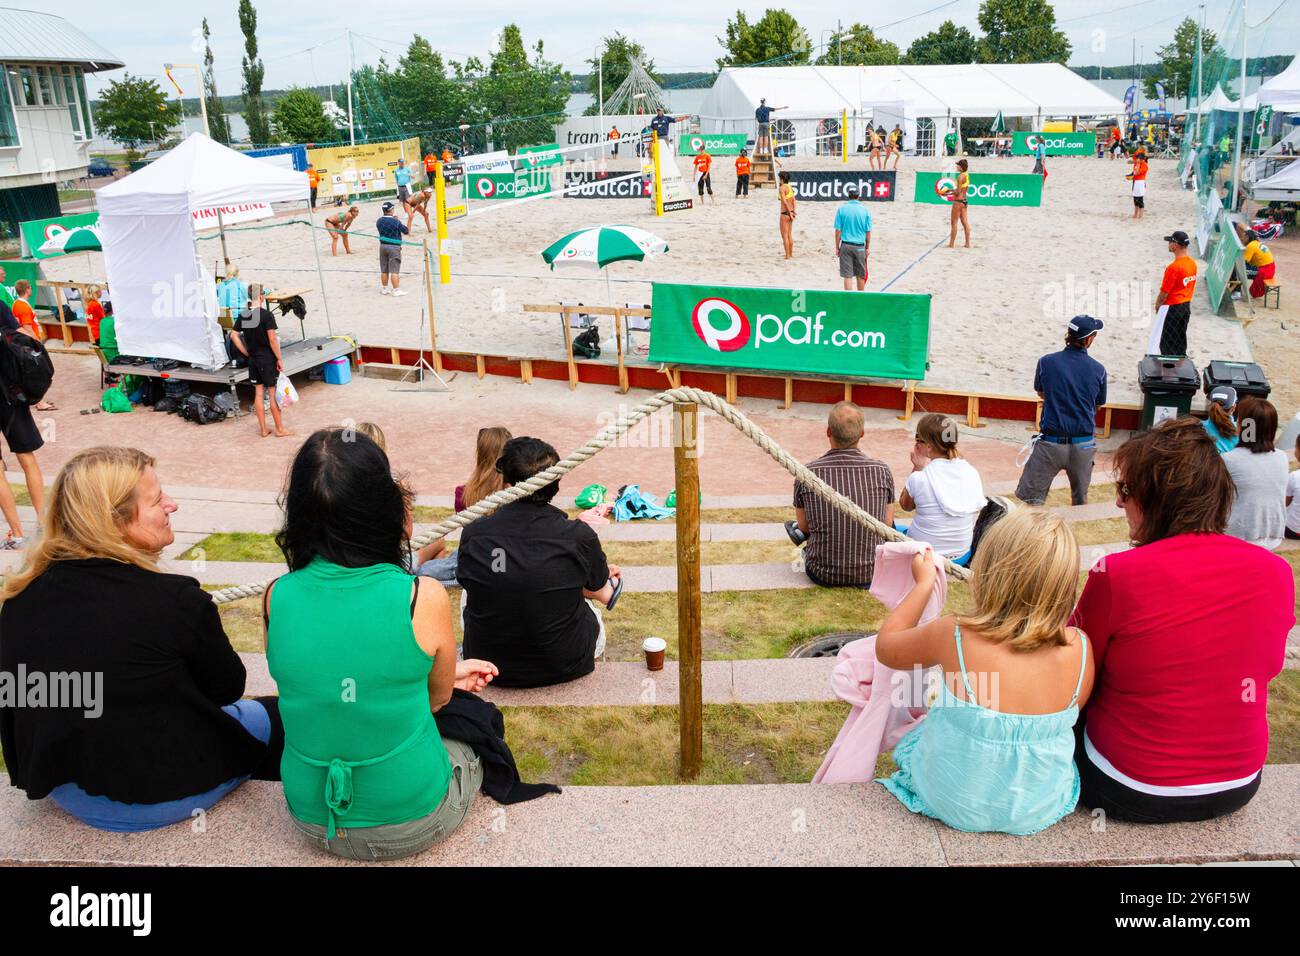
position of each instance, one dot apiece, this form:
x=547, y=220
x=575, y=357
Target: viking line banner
x=36, y=232
x=986, y=189
x=230, y=215
x=596, y=186
x=1058, y=144
x=719, y=144
x=863, y=334
x=832, y=185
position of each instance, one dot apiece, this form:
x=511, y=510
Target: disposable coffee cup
x=654, y=648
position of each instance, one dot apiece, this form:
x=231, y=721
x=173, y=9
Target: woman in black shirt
x=140, y=722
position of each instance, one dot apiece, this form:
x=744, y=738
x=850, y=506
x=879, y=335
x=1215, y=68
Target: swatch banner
x=832, y=186
x=1058, y=144
x=986, y=189
x=859, y=334
x=598, y=186
x=719, y=144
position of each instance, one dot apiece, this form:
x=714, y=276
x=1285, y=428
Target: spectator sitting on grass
x=533, y=578
x=1259, y=472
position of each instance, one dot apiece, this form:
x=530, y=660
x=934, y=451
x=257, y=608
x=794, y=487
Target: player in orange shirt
x=703, y=181
x=1138, y=177
x=743, y=167
x=1174, y=302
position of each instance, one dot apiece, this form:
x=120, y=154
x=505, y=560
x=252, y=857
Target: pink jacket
x=877, y=721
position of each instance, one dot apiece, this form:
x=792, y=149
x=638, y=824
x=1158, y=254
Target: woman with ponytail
x=1220, y=423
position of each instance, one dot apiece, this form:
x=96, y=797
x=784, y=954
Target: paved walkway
x=745, y=825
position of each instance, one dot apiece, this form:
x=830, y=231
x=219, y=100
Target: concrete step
x=759, y=825
x=628, y=684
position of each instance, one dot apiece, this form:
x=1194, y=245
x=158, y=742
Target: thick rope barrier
x=608, y=436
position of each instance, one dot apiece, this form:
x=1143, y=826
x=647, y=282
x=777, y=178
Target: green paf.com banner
x=986, y=189
x=37, y=231
x=507, y=185
x=535, y=157
x=1225, y=253
x=719, y=144
x=16, y=269
x=861, y=334
x=1058, y=144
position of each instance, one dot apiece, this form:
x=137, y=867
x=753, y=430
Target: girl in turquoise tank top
x=363, y=656
x=996, y=750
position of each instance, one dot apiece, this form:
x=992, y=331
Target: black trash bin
x=1246, y=377
x=1168, y=383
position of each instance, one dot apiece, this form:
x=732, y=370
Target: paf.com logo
x=486, y=188
x=1033, y=141
x=946, y=187
x=52, y=230
x=697, y=143
x=729, y=337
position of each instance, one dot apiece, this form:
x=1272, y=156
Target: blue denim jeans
x=440, y=569
x=105, y=814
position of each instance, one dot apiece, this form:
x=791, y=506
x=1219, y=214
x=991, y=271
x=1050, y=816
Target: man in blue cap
x=1072, y=384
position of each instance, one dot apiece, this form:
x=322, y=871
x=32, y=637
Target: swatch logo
x=734, y=335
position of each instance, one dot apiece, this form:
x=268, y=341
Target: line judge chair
x=635, y=323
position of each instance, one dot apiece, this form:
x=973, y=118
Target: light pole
x=203, y=100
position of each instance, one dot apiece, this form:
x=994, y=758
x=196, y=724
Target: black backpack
x=25, y=368
x=201, y=409
x=586, y=344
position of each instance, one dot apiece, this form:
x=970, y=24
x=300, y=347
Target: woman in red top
x=1187, y=630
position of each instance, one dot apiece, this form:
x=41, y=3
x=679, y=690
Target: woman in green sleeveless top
x=363, y=656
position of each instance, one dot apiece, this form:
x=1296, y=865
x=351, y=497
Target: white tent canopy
x=1282, y=92
x=1220, y=100
x=1282, y=186
x=163, y=299
x=937, y=93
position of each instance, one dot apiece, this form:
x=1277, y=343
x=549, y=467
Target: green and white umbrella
x=68, y=241
x=999, y=124
x=598, y=246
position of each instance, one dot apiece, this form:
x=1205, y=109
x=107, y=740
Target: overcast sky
x=303, y=43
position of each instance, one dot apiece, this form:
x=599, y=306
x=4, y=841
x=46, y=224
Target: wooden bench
x=566, y=311
x=754, y=825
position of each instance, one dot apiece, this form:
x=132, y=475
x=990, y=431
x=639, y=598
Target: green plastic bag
x=671, y=500
x=115, y=400
x=591, y=496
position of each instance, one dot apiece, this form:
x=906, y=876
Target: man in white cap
x=1072, y=384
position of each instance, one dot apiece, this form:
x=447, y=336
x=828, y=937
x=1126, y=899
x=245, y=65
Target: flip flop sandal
x=613, y=599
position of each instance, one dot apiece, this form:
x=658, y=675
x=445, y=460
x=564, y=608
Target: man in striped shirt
x=840, y=552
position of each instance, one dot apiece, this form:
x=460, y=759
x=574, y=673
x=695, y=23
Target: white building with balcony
x=45, y=121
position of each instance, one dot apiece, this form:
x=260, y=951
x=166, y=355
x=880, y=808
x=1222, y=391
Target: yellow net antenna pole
x=659, y=186
x=844, y=136
x=440, y=200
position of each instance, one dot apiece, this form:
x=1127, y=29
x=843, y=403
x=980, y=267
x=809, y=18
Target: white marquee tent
x=164, y=300
x=1220, y=100
x=814, y=96
x=1282, y=186
x=1282, y=92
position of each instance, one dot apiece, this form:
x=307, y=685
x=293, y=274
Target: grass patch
x=637, y=746
x=1101, y=531
x=1096, y=495
x=72, y=195
x=235, y=546
x=1284, y=718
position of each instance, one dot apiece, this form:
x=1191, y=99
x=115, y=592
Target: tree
x=614, y=65
x=134, y=111
x=299, y=117
x=948, y=44
x=218, y=127
x=254, y=109
x=776, y=36
x=515, y=87
x=1021, y=31
x=419, y=92
x=858, y=45
x=1178, y=61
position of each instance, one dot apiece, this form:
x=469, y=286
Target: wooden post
x=480, y=366
x=789, y=391
x=568, y=348
x=433, y=325
x=731, y=388
x=689, y=647
x=618, y=338
x=909, y=401
x=973, y=411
